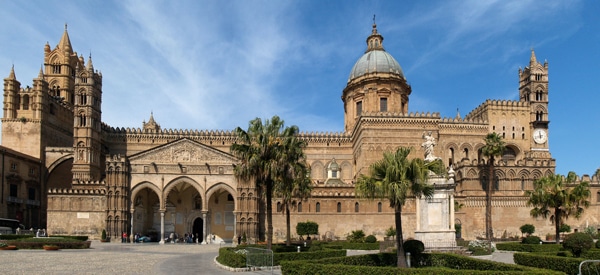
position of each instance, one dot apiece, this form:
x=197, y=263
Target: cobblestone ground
x=115, y=258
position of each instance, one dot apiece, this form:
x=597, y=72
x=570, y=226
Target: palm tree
x=494, y=147
x=293, y=179
x=396, y=178
x=558, y=198
x=258, y=150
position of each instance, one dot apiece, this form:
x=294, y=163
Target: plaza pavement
x=145, y=258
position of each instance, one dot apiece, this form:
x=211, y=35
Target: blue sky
x=219, y=64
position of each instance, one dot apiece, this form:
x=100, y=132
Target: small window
x=358, y=108
x=598, y=197
x=31, y=194
x=14, y=191
x=13, y=166
x=146, y=169
x=339, y=207
x=32, y=171
x=383, y=104
x=279, y=208
x=299, y=207
x=334, y=174
x=379, y=207
x=318, y=207
x=356, y=207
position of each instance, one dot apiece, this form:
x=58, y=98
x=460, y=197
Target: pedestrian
x=124, y=237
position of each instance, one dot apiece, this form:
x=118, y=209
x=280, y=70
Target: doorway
x=197, y=230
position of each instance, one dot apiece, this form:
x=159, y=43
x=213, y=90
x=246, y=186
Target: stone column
x=132, y=235
x=162, y=226
x=204, y=222
x=451, y=211
x=235, y=233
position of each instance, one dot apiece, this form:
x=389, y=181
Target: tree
x=259, y=152
x=397, y=178
x=527, y=229
x=307, y=228
x=293, y=179
x=494, y=147
x=556, y=198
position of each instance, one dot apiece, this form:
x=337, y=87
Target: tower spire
x=65, y=42
x=532, y=59
x=12, y=76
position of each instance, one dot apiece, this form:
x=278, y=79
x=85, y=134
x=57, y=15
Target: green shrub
x=307, y=228
x=415, y=247
x=597, y=245
x=516, y=246
x=562, y=264
x=592, y=254
x=578, y=243
x=356, y=236
x=103, y=236
x=385, y=263
x=480, y=247
x=15, y=237
x=370, y=239
x=531, y=240
x=390, y=232
x=38, y=243
x=527, y=229
x=232, y=257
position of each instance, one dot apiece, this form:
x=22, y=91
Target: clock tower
x=533, y=88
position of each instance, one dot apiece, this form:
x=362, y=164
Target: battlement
x=496, y=103
x=68, y=191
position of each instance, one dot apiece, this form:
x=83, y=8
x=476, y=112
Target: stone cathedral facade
x=159, y=181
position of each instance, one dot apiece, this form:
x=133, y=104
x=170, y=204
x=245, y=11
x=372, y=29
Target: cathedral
x=88, y=176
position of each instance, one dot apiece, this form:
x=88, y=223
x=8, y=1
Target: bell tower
x=87, y=143
x=533, y=88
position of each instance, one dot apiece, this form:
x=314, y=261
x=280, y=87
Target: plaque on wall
x=228, y=228
x=81, y=215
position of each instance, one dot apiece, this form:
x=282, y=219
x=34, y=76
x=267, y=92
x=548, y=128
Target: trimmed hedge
x=9, y=237
x=563, y=264
x=516, y=246
x=38, y=243
x=295, y=256
x=592, y=254
x=385, y=263
x=229, y=257
x=353, y=246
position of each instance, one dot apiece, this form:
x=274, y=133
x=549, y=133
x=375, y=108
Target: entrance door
x=197, y=229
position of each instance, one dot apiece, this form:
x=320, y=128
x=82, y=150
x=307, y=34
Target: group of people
x=187, y=238
x=137, y=237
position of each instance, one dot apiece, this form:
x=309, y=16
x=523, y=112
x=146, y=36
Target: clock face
x=540, y=136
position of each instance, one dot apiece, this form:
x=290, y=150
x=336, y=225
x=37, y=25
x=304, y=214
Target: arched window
x=279, y=207
x=25, y=102
x=318, y=207
x=339, y=207
x=356, y=207
x=496, y=183
x=379, y=207
x=598, y=197
x=522, y=183
x=299, y=207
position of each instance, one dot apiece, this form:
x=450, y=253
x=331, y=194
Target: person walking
x=124, y=237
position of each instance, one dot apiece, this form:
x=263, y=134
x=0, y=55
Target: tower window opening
x=383, y=104
x=356, y=207
x=339, y=207
x=56, y=69
x=318, y=207
x=359, y=108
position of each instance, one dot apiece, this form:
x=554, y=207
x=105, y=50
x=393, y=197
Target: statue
x=428, y=146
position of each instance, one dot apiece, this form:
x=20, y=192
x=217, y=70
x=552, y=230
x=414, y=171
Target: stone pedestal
x=435, y=216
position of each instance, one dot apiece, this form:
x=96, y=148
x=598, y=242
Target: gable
x=183, y=151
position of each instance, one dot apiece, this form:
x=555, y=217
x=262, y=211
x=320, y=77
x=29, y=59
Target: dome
x=376, y=61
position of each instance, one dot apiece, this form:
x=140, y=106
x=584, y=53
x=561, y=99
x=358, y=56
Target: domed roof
x=375, y=59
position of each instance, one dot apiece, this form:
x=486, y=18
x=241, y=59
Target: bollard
x=304, y=244
x=298, y=249
x=408, y=259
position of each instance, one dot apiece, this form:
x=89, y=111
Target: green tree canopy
x=259, y=150
x=558, y=198
x=396, y=178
